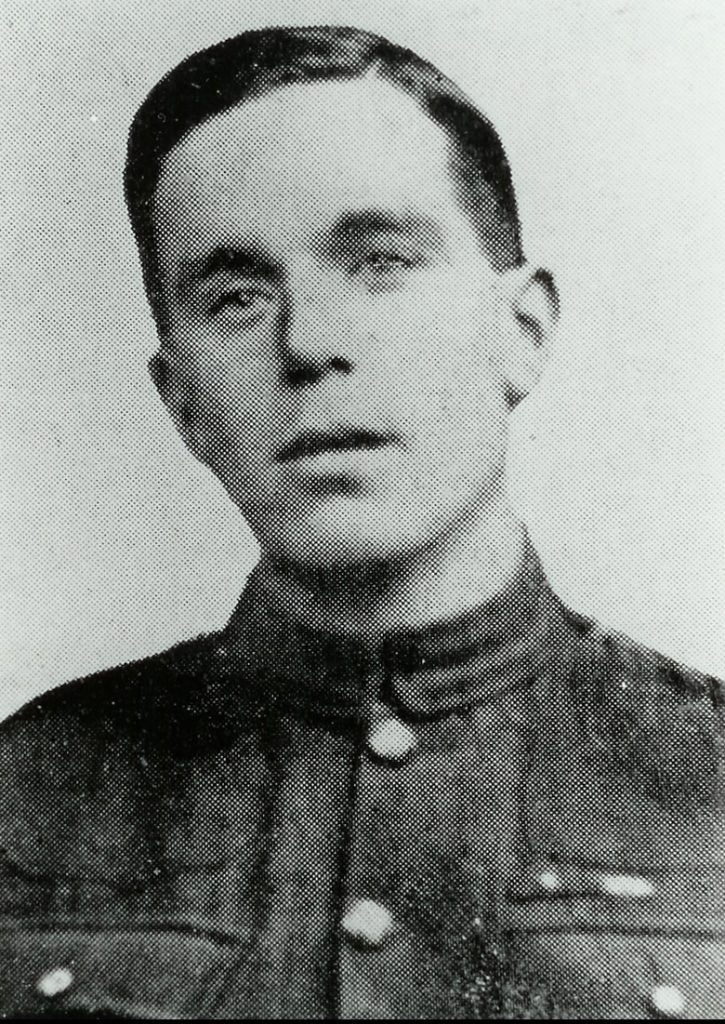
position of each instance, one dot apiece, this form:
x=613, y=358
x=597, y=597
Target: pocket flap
x=566, y=897
x=139, y=973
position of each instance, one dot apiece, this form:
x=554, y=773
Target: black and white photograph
x=362, y=509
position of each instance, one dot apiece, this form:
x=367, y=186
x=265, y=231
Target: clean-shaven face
x=335, y=330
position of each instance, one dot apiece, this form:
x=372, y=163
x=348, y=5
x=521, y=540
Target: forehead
x=308, y=152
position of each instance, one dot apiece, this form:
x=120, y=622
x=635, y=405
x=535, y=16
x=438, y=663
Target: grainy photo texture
x=402, y=778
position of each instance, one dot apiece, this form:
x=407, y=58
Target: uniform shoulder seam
x=89, y=690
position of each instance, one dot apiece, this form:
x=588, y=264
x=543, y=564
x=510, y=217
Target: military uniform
x=513, y=814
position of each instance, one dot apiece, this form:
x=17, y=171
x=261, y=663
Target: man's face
x=336, y=341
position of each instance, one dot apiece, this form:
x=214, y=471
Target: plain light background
x=114, y=543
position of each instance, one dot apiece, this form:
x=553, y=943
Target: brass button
x=667, y=1000
x=368, y=923
x=549, y=880
x=55, y=982
x=627, y=886
x=392, y=740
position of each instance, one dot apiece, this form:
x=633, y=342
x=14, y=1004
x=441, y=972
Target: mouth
x=309, y=443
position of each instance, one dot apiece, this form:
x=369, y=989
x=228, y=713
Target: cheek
x=231, y=402
x=462, y=411
x=446, y=376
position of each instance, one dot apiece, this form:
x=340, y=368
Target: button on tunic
x=667, y=1000
x=54, y=982
x=391, y=740
x=368, y=923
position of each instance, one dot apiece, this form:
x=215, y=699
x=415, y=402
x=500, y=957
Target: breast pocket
x=141, y=973
x=590, y=943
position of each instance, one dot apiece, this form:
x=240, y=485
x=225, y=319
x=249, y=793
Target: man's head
x=331, y=248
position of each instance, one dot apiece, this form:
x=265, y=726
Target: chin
x=332, y=540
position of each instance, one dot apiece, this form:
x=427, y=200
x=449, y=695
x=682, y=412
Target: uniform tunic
x=513, y=814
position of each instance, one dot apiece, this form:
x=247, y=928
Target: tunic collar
x=471, y=659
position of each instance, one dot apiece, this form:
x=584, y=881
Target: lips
x=338, y=439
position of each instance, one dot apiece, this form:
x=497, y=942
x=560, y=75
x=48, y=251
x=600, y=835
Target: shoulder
x=610, y=669
x=633, y=684
x=83, y=765
x=627, y=762
x=653, y=721
x=144, y=701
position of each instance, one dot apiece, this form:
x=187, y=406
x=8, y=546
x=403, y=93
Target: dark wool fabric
x=188, y=835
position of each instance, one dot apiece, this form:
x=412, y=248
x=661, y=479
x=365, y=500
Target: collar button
x=392, y=740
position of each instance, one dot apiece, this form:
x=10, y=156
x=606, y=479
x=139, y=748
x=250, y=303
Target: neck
x=461, y=570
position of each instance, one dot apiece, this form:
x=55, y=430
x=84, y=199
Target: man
x=404, y=780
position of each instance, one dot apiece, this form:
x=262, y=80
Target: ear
x=533, y=301
x=174, y=391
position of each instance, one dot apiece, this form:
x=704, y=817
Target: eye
x=243, y=306
x=382, y=260
x=386, y=268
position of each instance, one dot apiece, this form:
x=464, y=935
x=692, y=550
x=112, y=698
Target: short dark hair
x=250, y=64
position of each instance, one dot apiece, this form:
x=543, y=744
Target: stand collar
x=470, y=659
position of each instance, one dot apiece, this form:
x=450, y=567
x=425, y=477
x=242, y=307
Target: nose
x=314, y=337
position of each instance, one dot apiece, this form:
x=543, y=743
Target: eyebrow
x=363, y=223
x=230, y=259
